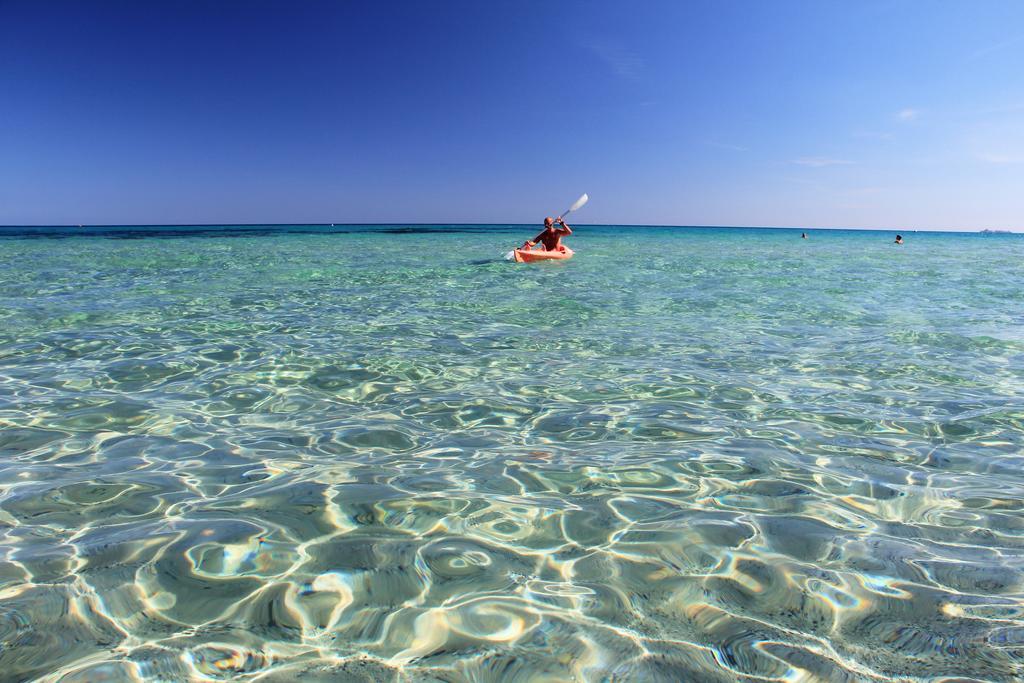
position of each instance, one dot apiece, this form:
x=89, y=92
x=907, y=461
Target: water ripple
x=323, y=456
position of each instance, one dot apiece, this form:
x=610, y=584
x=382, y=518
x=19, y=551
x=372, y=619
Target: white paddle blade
x=510, y=256
x=579, y=202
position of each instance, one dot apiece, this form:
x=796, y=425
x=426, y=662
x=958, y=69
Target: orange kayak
x=528, y=256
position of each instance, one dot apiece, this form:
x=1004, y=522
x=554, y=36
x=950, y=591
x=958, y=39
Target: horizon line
x=401, y=223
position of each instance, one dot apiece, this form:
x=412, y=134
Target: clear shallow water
x=736, y=455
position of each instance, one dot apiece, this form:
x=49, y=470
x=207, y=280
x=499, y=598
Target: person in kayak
x=551, y=237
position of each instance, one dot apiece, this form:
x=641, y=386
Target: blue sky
x=811, y=114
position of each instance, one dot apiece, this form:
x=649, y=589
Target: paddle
x=575, y=205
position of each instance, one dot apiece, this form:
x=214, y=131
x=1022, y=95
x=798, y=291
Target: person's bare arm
x=565, y=229
x=533, y=242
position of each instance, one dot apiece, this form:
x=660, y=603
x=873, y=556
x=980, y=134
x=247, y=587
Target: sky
x=825, y=113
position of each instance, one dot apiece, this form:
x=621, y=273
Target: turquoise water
x=684, y=455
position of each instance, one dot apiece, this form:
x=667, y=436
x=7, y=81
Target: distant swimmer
x=803, y=235
x=899, y=239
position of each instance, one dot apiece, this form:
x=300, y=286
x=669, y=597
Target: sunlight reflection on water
x=325, y=455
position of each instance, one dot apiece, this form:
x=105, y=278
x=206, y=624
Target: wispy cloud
x=999, y=142
x=873, y=135
x=908, y=114
x=725, y=145
x=996, y=47
x=1001, y=159
x=1002, y=109
x=623, y=62
x=818, y=162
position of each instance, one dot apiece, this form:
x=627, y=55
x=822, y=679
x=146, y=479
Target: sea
x=385, y=453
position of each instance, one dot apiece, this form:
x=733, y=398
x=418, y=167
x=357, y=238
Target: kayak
x=527, y=255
